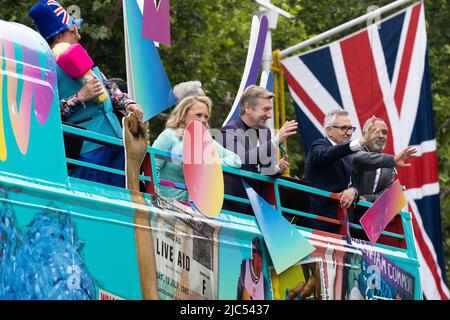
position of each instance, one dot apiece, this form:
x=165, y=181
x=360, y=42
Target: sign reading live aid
x=186, y=247
x=378, y=277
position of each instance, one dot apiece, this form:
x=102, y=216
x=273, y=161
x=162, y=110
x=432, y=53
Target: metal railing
x=396, y=235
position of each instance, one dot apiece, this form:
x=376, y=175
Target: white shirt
x=254, y=286
x=377, y=178
x=354, y=144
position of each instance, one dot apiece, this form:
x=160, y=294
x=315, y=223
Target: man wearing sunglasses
x=328, y=166
x=78, y=104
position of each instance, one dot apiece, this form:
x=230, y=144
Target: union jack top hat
x=51, y=18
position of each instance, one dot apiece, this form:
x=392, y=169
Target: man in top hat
x=78, y=103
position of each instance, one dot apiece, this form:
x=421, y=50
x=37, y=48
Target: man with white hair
x=372, y=171
x=328, y=166
x=187, y=89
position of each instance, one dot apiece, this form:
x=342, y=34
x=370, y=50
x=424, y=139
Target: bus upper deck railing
x=288, y=196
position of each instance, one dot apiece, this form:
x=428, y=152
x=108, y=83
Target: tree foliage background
x=209, y=43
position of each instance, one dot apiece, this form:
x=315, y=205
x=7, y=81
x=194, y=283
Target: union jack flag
x=382, y=70
x=59, y=10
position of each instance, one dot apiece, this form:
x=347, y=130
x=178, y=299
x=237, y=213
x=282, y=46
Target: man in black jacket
x=249, y=138
x=328, y=166
x=373, y=171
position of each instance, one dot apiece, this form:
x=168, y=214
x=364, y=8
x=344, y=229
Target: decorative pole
x=279, y=117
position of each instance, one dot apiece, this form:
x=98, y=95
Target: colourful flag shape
x=286, y=245
x=384, y=209
x=202, y=169
x=148, y=83
x=255, y=51
x=156, y=24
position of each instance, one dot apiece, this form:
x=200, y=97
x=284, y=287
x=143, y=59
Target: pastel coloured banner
x=202, y=169
x=256, y=45
x=267, y=81
x=30, y=86
x=148, y=83
x=286, y=245
x=156, y=24
x=384, y=209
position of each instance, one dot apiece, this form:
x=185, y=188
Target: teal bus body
x=65, y=238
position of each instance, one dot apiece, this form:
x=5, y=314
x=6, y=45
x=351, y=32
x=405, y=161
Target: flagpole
x=343, y=27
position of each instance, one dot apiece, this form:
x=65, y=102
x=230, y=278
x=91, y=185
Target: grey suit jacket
x=364, y=166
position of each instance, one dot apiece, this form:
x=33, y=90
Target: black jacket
x=328, y=167
x=258, y=158
x=364, y=168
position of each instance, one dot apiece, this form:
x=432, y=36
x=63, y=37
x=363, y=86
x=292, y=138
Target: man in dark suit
x=372, y=171
x=328, y=166
x=249, y=138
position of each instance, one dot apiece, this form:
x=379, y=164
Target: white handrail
x=343, y=27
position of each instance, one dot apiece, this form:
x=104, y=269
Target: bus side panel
x=30, y=123
x=342, y=272
x=238, y=265
x=64, y=249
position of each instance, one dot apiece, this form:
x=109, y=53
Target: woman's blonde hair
x=176, y=119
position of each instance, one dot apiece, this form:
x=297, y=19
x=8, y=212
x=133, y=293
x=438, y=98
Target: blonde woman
x=171, y=140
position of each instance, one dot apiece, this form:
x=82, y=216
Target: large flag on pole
x=382, y=70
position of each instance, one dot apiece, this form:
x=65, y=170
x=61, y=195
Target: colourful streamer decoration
x=253, y=63
x=156, y=24
x=267, y=81
x=285, y=243
x=148, y=83
x=384, y=209
x=202, y=170
x=23, y=85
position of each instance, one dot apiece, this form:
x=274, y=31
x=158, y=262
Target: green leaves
x=98, y=32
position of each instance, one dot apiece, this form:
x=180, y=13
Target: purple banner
x=156, y=25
